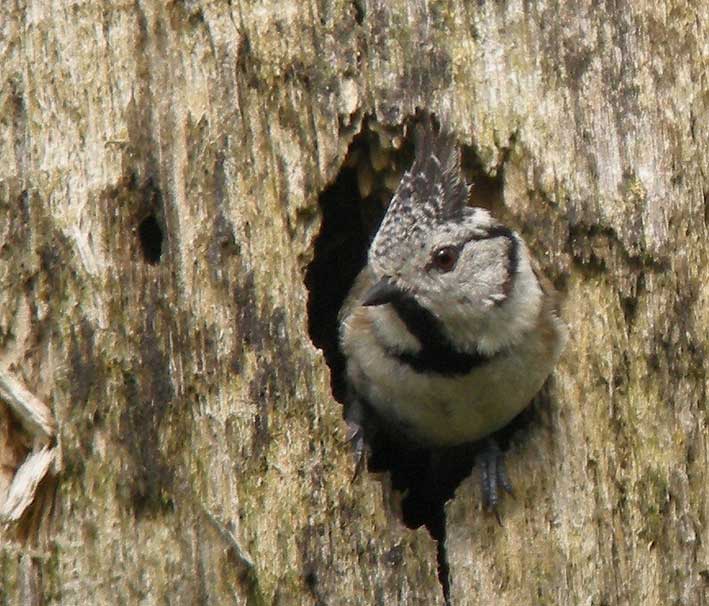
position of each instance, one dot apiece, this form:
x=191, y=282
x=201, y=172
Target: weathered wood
x=160, y=167
x=30, y=411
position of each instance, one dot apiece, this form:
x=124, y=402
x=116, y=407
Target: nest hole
x=352, y=208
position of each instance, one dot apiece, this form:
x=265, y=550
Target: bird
x=449, y=330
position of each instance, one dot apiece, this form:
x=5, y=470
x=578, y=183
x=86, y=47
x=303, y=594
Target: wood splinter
x=24, y=484
x=38, y=420
x=34, y=414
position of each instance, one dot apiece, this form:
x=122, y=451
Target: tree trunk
x=168, y=431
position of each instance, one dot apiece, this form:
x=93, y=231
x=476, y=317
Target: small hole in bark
x=151, y=237
x=358, y=11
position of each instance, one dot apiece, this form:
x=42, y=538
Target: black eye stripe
x=499, y=231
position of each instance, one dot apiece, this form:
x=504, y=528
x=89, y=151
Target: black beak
x=382, y=292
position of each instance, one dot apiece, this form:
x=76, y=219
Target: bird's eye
x=445, y=258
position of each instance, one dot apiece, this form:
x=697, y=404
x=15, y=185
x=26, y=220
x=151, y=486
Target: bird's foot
x=355, y=436
x=493, y=475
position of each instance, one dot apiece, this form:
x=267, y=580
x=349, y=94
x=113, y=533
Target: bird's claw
x=493, y=475
x=355, y=436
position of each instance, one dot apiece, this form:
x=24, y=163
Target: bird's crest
x=433, y=191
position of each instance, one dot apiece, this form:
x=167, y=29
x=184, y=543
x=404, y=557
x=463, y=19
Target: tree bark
x=168, y=431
